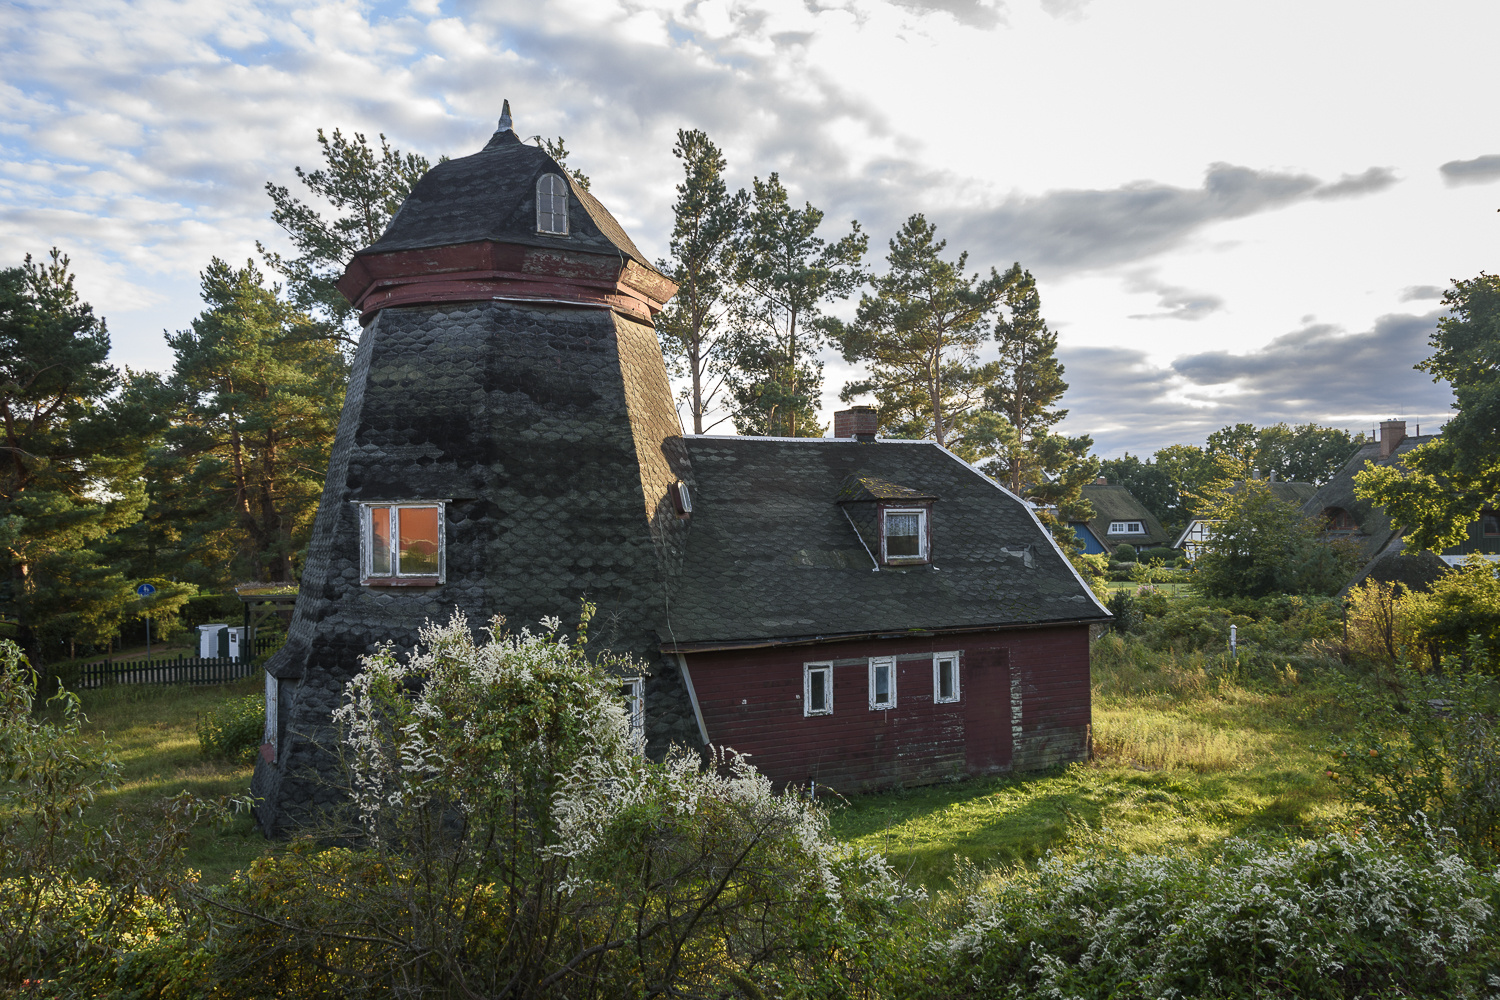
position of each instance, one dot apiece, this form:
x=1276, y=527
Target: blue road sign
x=145, y=590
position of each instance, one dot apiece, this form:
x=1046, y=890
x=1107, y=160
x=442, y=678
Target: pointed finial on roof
x=505, y=125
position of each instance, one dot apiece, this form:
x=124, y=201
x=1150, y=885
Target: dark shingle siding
x=771, y=555
x=552, y=429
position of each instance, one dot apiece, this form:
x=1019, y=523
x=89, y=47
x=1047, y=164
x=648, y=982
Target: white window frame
x=937, y=678
x=1126, y=528
x=367, y=542
x=890, y=663
x=633, y=689
x=922, y=532
x=551, y=180
x=808, y=669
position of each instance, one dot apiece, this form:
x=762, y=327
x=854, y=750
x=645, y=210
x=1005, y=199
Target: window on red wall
x=882, y=682
x=817, y=689
x=1489, y=524
x=945, y=678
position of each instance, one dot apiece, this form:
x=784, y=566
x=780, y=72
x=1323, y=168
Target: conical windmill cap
x=480, y=213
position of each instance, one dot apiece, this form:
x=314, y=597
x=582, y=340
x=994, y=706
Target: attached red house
x=866, y=613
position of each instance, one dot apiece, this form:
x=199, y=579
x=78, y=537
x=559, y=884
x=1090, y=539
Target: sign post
x=146, y=590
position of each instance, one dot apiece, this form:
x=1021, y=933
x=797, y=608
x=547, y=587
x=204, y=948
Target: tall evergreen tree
x=788, y=273
x=919, y=337
x=1030, y=381
x=257, y=401
x=707, y=222
x=69, y=463
x=364, y=188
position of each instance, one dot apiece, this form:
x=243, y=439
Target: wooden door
x=987, y=710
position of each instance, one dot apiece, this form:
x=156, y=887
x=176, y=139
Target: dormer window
x=903, y=536
x=1126, y=528
x=552, y=205
x=403, y=544
x=1340, y=520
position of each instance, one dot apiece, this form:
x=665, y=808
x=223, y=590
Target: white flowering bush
x=1335, y=917
x=510, y=839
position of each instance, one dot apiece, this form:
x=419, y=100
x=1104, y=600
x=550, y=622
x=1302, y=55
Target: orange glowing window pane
x=418, y=540
x=380, y=541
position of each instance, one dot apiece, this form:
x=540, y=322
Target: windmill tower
x=508, y=445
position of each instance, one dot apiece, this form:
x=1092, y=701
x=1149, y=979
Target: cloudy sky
x=1235, y=211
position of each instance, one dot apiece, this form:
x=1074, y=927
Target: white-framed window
x=945, y=678
x=1127, y=528
x=633, y=690
x=403, y=543
x=817, y=689
x=552, y=205
x=882, y=682
x=903, y=535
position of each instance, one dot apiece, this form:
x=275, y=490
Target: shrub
x=1124, y=552
x=1335, y=917
x=1166, y=555
x=1427, y=753
x=514, y=841
x=235, y=730
x=1383, y=624
x=1127, y=615
x=74, y=892
x=1464, y=604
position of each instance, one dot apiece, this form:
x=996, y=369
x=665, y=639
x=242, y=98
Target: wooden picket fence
x=182, y=670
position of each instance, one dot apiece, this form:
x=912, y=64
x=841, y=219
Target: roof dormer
x=893, y=521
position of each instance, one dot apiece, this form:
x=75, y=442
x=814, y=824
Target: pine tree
x=705, y=233
x=70, y=461
x=257, y=398
x=919, y=337
x=364, y=189
x=1031, y=379
x=788, y=273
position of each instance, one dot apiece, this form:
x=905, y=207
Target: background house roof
x=491, y=196
x=1113, y=502
x=771, y=555
x=1376, y=532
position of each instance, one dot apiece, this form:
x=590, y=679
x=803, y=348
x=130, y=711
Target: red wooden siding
x=751, y=700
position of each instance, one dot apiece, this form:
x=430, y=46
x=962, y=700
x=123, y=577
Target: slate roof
x=771, y=555
x=859, y=489
x=491, y=196
x=1113, y=502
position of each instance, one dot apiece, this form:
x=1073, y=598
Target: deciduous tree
x=1443, y=486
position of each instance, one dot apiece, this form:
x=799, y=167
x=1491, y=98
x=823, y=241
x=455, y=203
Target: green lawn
x=1185, y=756
x=154, y=734
x=1183, y=759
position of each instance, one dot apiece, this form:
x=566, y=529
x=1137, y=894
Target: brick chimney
x=857, y=422
x=1101, y=481
x=1392, y=433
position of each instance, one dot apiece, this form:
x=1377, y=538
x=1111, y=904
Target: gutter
x=711, y=645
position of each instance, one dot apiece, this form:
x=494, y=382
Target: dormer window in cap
x=893, y=521
x=552, y=205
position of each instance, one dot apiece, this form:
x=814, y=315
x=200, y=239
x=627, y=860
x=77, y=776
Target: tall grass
x=1168, y=710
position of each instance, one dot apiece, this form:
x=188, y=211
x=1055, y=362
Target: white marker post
x=1234, y=649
